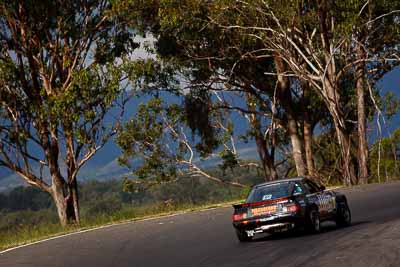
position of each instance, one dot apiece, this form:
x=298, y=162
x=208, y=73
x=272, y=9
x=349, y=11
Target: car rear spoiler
x=237, y=206
x=259, y=203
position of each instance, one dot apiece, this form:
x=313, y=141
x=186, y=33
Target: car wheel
x=242, y=236
x=343, y=217
x=314, y=222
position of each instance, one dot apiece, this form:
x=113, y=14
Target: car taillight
x=238, y=217
x=291, y=208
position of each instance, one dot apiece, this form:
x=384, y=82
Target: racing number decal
x=326, y=202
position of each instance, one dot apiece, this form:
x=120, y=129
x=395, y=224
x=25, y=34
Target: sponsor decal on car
x=326, y=202
x=263, y=210
x=267, y=197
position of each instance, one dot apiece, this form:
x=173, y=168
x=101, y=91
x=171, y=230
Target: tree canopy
x=297, y=65
x=61, y=72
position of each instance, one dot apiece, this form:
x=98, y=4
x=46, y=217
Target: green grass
x=28, y=233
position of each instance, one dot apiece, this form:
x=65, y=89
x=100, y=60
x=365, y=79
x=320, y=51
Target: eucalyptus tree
x=61, y=84
x=321, y=43
x=373, y=29
x=217, y=59
x=283, y=55
x=159, y=138
x=384, y=159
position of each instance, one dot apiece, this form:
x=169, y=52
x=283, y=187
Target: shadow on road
x=326, y=228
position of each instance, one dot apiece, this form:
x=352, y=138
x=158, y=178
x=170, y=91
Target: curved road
x=207, y=239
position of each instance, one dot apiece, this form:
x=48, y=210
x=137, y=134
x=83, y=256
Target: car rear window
x=267, y=192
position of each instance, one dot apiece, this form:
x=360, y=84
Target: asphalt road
x=207, y=239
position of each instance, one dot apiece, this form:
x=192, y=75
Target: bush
x=106, y=205
x=27, y=219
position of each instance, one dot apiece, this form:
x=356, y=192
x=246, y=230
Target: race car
x=289, y=204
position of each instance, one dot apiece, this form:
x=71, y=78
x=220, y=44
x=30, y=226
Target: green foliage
x=384, y=158
x=245, y=192
x=327, y=159
x=390, y=105
x=200, y=53
x=151, y=77
x=25, y=198
x=156, y=143
x=103, y=198
x=144, y=136
x=63, y=71
x=25, y=220
x=105, y=205
x=198, y=117
x=229, y=160
x=189, y=189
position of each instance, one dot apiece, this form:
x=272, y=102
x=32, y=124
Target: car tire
x=343, y=217
x=242, y=236
x=314, y=222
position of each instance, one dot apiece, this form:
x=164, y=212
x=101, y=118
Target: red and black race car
x=288, y=204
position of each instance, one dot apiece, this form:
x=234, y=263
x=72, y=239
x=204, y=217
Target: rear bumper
x=268, y=228
x=268, y=224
